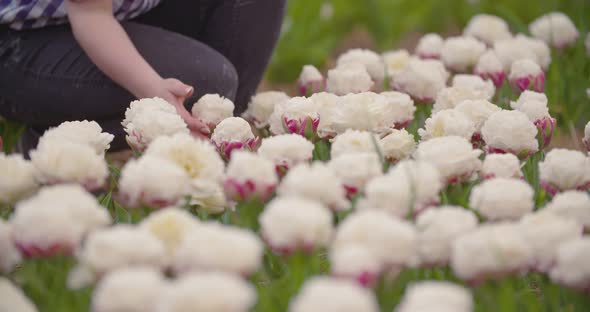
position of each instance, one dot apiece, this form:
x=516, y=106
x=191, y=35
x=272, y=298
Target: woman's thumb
x=179, y=89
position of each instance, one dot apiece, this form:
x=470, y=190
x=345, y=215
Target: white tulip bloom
x=332, y=294
x=129, y=290
x=82, y=132
x=216, y=247
x=574, y=205
x=512, y=132
x=289, y=224
x=317, y=182
x=208, y=291
x=18, y=178
x=453, y=156
x=502, y=199
x=429, y=46
x=501, y=166
x=564, y=169
x=460, y=54
x=545, y=232
x=349, y=78
x=487, y=28
x=555, y=28
x=262, y=105
x=492, y=250
x=211, y=109
x=437, y=229
x=55, y=220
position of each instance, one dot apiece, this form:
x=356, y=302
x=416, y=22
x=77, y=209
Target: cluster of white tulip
x=376, y=201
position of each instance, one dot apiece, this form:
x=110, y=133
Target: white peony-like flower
x=355, y=262
x=403, y=106
x=9, y=254
x=201, y=163
x=349, y=78
x=502, y=199
x=395, y=61
x=233, y=133
x=366, y=111
x=250, y=176
x=572, y=267
x=424, y=180
x=171, y=226
x=326, y=103
x=510, y=50
x=211, y=109
x=13, y=298
x=388, y=193
x=294, y=116
x=453, y=156
x=289, y=224
x=332, y=294
x=492, y=250
x=438, y=228
x=450, y=97
x=489, y=66
x=62, y=161
x=555, y=28
x=537, y=46
x=369, y=59
x=208, y=291
x=354, y=141
x=262, y=105
x=81, y=132
x=429, y=46
x=563, y=170
x=533, y=104
x=55, y=220
x=436, y=296
x=485, y=87
x=129, y=290
x=216, y=247
x=512, y=132
x=147, y=119
x=421, y=79
x=17, y=179
x=391, y=240
x=487, y=28
x=317, y=182
x=286, y=151
x=153, y=181
x=478, y=111
x=460, y=54
x=545, y=231
x=574, y=205
x=397, y=145
x=109, y=249
x=310, y=80
x=526, y=74
x=447, y=122
x=355, y=170
x=501, y=166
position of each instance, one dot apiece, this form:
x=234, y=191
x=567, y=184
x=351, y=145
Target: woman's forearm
x=108, y=46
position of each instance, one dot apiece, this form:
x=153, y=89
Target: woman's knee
x=176, y=56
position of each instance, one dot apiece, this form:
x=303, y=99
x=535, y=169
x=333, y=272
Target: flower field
x=406, y=181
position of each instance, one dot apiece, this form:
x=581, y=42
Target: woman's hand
x=176, y=92
x=108, y=46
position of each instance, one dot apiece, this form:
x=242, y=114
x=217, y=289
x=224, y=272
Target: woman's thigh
x=46, y=78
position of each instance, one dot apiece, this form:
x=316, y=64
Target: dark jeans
x=217, y=46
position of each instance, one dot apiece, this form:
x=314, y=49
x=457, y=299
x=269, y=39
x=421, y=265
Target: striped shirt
x=28, y=14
